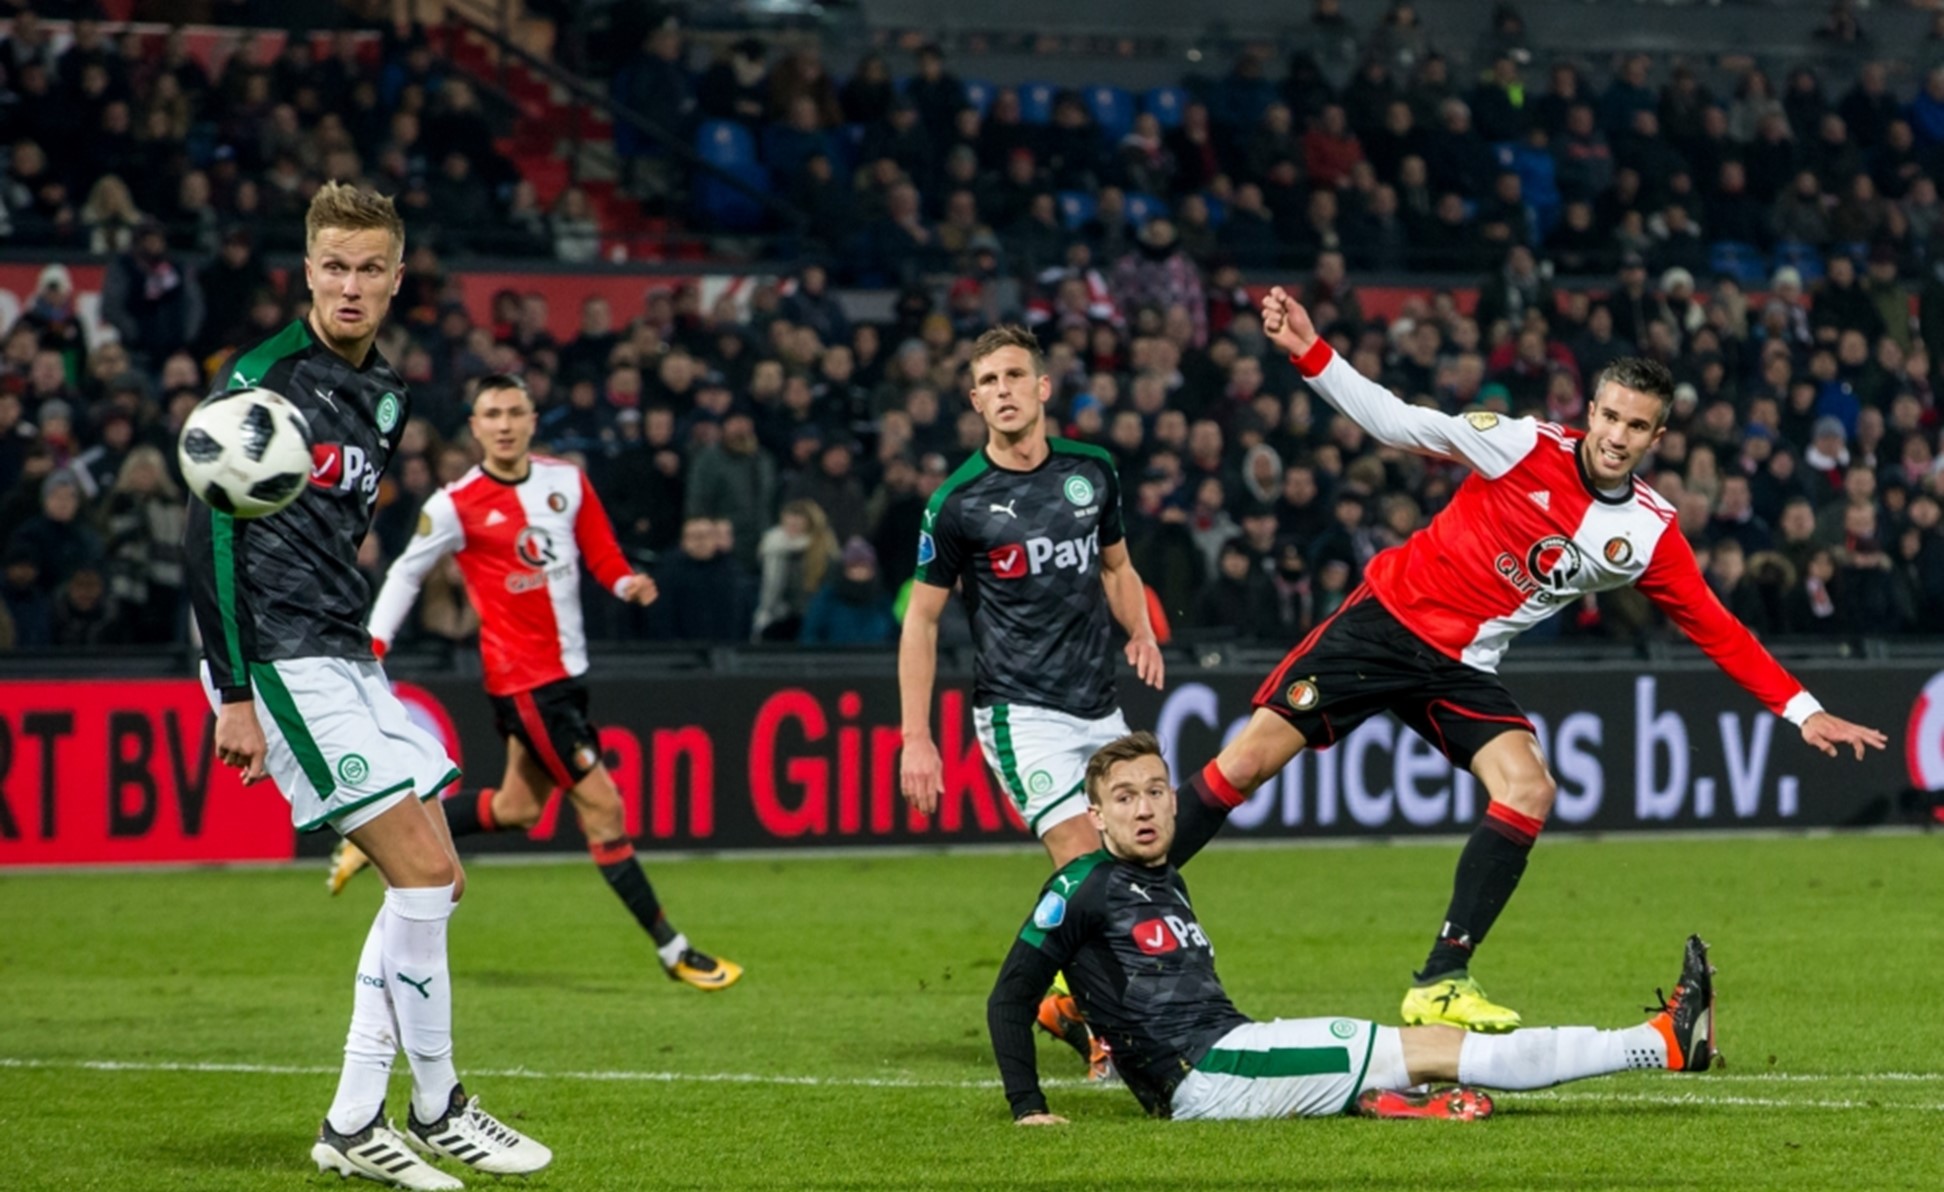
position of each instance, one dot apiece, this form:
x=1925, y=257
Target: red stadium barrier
x=125, y=772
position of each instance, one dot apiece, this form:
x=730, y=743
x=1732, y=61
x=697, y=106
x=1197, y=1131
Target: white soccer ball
x=246, y=453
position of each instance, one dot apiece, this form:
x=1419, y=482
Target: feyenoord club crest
x=1303, y=694
x=1618, y=551
x=557, y=502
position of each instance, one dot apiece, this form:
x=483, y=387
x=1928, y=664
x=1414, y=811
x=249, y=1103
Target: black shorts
x=552, y=723
x=1362, y=661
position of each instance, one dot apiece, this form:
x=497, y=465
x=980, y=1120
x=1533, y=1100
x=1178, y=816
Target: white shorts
x=1041, y=757
x=1291, y=1067
x=343, y=750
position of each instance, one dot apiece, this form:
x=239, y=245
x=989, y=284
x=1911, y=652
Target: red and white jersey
x=519, y=547
x=1527, y=534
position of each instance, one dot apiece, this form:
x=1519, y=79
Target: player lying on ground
x=1119, y=923
x=1547, y=516
x=1029, y=529
x=518, y=524
x=299, y=697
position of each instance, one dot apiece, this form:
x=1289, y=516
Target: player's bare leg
x=1070, y=839
x=1515, y=776
x=1256, y=754
x=348, y=860
x=1059, y=1014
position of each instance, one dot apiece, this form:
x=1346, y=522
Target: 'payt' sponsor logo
x=1035, y=555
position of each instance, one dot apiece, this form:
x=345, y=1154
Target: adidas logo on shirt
x=495, y=518
x=1541, y=498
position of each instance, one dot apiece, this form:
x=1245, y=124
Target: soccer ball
x=246, y=453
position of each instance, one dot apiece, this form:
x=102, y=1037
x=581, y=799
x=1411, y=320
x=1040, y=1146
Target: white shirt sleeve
x=1491, y=444
x=439, y=534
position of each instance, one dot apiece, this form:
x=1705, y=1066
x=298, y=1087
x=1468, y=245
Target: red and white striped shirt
x=1528, y=533
x=519, y=546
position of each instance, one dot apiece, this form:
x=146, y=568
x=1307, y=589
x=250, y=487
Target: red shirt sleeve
x=595, y=535
x=1673, y=582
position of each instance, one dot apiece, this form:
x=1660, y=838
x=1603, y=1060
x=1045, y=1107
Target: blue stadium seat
x=979, y=94
x=1166, y=105
x=1143, y=207
x=725, y=143
x=1217, y=211
x=1113, y=110
x=729, y=146
x=1076, y=208
x=1739, y=260
x=1036, y=102
x=1806, y=259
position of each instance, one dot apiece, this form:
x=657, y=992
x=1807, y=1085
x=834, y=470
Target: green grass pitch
x=181, y=1029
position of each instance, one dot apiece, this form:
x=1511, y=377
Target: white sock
x=671, y=952
x=372, y=1043
x=1539, y=1057
x=421, y=989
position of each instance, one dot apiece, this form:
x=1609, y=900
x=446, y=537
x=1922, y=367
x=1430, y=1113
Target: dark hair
x=1009, y=335
x=500, y=382
x=1127, y=749
x=1642, y=376
x=493, y=381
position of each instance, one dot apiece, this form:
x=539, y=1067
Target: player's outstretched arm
x=1673, y=582
x=920, y=772
x=1127, y=600
x=1489, y=444
x=1829, y=733
x=1009, y=1019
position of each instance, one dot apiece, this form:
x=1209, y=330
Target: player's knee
x=518, y=813
x=1246, y=762
x=1530, y=794
x=438, y=869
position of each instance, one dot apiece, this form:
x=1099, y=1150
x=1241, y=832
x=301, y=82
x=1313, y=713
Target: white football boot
x=379, y=1153
x=477, y=1138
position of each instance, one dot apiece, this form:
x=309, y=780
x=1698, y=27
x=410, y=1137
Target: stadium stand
x=1482, y=228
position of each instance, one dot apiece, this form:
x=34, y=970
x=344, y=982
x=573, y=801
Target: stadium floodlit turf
x=181, y=1030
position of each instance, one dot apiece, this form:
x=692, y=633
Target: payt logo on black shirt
x=1153, y=938
x=1008, y=562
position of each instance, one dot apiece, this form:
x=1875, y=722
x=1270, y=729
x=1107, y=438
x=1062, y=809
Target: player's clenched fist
x=1286, y=323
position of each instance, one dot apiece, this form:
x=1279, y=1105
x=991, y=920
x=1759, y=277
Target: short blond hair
x=352, y=208
x=1132, y=747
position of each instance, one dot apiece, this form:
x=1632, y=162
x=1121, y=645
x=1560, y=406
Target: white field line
x=1691, y=1098
x=1687, y=1096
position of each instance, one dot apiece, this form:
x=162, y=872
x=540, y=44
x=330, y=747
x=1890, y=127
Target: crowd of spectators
x=108, y=134
x=769, y=460
x=1378, y=142
x=770, y=464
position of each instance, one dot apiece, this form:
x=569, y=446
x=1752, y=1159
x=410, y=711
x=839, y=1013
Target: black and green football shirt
x=1026, y=548
x=288, y=585
x=1141, y=969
